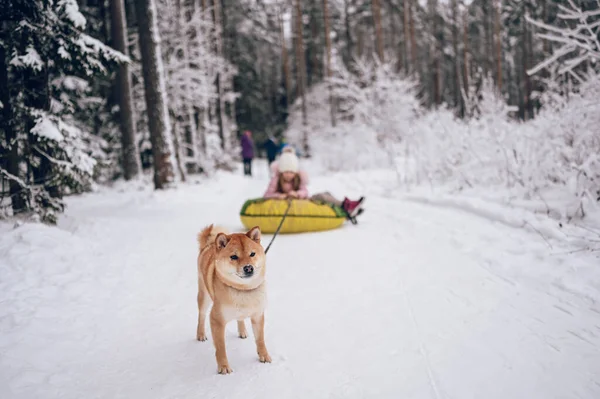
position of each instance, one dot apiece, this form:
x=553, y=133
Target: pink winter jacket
x=272, y=188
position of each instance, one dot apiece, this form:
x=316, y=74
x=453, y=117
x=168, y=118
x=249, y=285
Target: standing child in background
x=247, y=152
x=271, y=148
x=289, y=181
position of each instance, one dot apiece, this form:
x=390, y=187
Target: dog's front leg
x=217, y=327
x=203, y=302
x=258, y=328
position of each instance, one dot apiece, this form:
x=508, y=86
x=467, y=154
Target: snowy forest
x=483, y=93
x=426, y=226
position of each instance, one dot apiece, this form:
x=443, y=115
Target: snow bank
x=381, y=125
x=103, y=305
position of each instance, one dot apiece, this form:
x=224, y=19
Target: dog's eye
x=234, y=257
x=252, y=254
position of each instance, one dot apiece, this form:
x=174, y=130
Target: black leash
x=280, y=224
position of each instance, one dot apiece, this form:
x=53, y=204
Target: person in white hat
x=289, y=182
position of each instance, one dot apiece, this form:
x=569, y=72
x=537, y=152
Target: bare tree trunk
x=456, y=67
x=349, y=43
x=546, y=44
x=130, y=157
x=407, y=47
x=18, y=195
x=182, y=145
x=378, y=31
x=314, y=35
x=413, y=39
x=434, y=53
x=360, y=42
x=328, y=63
x=301, y=69
x=286, y=62
x=396, y=40
x=466, y=66
x=177, y=145
x=526, y=62
x=498, y=35
x=155, y=93
x=219, y=84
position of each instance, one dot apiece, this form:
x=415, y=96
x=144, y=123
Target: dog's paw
x=243, y=335
x=201, y=337
x=264, y=357
x=225, y=369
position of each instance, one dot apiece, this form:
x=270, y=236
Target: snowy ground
x=417, y=301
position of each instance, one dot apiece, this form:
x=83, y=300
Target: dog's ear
x=222, y=240
x=254, y=234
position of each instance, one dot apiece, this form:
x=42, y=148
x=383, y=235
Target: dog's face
x=240, y=259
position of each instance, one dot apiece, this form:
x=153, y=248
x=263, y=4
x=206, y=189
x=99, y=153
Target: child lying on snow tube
x=289, y=182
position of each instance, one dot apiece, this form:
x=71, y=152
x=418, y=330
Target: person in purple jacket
x=247, y=152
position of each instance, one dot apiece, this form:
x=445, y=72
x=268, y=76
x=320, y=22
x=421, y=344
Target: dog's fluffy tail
x=208, y=234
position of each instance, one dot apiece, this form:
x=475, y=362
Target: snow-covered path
x=414, y=302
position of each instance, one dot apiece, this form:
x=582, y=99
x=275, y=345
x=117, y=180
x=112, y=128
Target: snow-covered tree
x=193, y=66
x=48, y=63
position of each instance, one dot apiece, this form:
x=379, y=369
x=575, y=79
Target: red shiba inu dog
x=231, y=273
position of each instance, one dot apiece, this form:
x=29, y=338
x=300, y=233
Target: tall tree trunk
x=189, y=109
x=466, y=66
x=201, y=114
x=105, y=20
x=178, y=149
x=413, y=38
x=396, y=40
x=286, y=62
x=498, y=35
x=407, y=47
x=328, y=63
x=360, y=42
x=378, y=31
x=130, y=157
x=527, y=109
x=218, y=81
x=456, y=64
x=184, y=123
x=487, y=44
x=434, y=53
x=313, y=77
x=301, y=69
x=155, y=94
x=18, y=195
x=349, y=42
x=546, y=44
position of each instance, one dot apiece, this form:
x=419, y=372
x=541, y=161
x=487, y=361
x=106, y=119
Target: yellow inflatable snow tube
x=303, y=216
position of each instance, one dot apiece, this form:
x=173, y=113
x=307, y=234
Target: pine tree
x=49, y=63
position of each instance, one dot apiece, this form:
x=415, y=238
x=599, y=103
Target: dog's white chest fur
x=244, y=304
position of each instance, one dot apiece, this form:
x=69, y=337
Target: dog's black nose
x=248, y=270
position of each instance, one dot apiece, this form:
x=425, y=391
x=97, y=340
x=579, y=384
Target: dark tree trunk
x=130, y=158
x=11, y=163
x=328, y=64
x=301, y=68
x=155, y=93
x=378, y=31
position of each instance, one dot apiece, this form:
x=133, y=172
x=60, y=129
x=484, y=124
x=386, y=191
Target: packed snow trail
x=414, y=302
